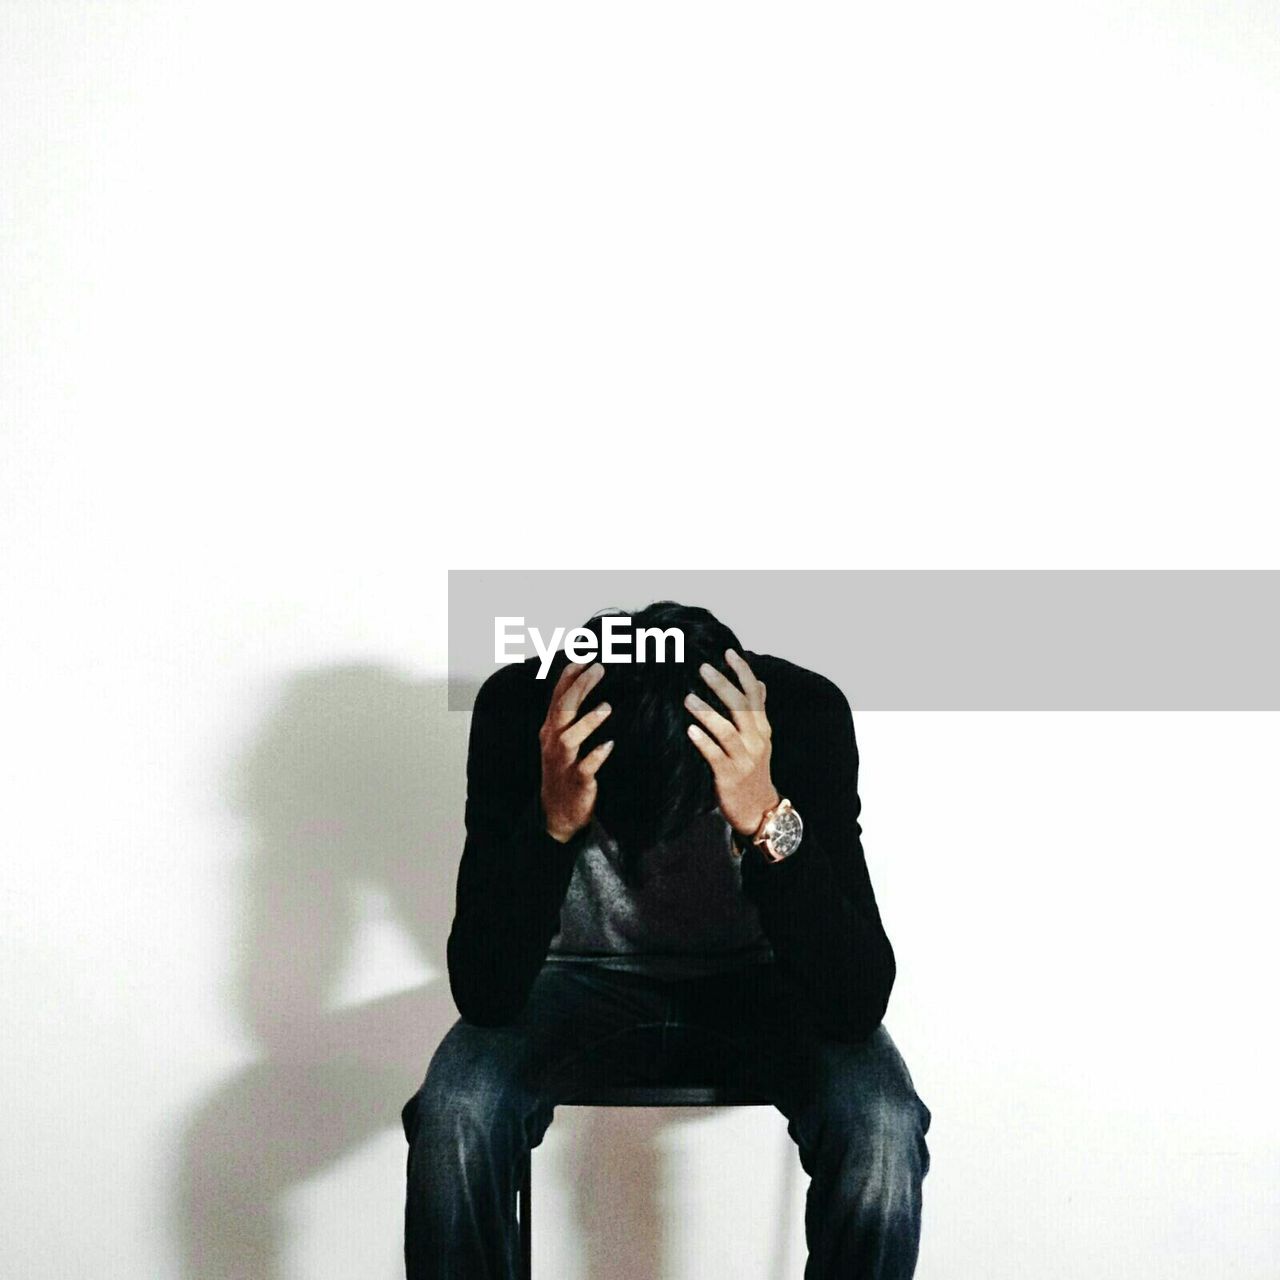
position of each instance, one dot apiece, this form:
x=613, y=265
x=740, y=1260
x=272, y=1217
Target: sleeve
x=513, y=876
x=817, y=907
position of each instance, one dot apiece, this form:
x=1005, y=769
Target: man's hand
x=738, y=751
x=569, y=784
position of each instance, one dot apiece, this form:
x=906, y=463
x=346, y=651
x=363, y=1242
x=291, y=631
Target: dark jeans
x=489, y=1095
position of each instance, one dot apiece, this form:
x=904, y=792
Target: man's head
x=655, y=783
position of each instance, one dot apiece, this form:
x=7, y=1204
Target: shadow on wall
x=355, y=779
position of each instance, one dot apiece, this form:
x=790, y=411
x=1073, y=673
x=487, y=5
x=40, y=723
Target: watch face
x=785, y=836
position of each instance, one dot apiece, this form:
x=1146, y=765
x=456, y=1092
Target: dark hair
x=655, y=783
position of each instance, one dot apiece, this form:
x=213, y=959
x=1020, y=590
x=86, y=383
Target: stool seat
x=662, y=1095
x=626, y=1095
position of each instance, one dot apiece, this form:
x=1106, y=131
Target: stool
x=682, y=1095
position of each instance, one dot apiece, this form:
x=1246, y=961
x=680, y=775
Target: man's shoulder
x=799, y=685
x=512, y=688
x=811, y=720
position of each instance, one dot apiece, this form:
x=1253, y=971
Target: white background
x=302, y=305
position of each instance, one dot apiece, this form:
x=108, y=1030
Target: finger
x=578, y=732
x=571, y=671
x=746, y=677
x=724, y=731
x=708, y=746
x=565, y=710
x=730, y=694
x=592, y=761
x=753, y=688
x=762, y=717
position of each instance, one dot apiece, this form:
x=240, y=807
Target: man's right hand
x=569, y=784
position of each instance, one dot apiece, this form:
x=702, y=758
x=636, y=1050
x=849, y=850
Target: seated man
x=663, y=881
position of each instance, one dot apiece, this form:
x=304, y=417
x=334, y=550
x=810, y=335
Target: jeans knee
x=471, y=1099
x=895, y=1131
x=866, y=1128
x=873, y=1152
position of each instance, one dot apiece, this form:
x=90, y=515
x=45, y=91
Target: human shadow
x=354, y=780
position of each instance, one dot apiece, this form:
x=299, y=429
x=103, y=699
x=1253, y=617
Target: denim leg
x=860, y=1128
x=853, y=1112
x=487, y=1099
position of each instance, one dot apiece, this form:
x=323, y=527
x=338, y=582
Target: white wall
x=304, y=305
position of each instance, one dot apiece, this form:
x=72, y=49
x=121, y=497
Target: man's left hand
x=737, y=750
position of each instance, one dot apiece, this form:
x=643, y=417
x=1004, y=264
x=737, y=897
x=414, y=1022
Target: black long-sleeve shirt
x=817, y=907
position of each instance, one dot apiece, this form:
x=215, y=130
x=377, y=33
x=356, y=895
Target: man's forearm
x=838, y=955
x=506, y=918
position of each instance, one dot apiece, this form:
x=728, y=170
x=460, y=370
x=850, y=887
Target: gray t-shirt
x=687, y=917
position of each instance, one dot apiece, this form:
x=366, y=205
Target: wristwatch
x=778, y=835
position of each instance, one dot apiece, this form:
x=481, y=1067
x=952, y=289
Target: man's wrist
x=749, y=834
x=561, y=835
x=555, y=830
